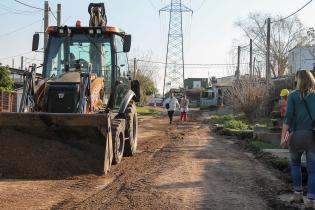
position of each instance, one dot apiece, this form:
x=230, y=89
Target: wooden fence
x=8, y=101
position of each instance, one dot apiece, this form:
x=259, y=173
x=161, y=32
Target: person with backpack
x=171, y=103
x=297, y=135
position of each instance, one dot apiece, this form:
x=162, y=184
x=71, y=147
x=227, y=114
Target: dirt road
x=182, y=166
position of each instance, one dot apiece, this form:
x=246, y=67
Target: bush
x=236, y=124
x=5, y=78
x=247, y=97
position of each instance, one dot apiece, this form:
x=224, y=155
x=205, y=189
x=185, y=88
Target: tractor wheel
x=118, y=129
x=108, y=155
x=131, y=131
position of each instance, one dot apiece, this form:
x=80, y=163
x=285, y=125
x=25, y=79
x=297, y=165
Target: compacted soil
x=178, y=166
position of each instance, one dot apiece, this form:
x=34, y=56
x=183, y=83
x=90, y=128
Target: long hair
x=305, y=82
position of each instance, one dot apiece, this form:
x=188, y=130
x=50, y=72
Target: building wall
x=192, y=83
x=301, y=58
x=8, y=101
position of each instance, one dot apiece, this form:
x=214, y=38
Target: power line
x=293, y=13
x=245, y=46
x=21, y=28
x=13, y=56
x=27, y=5
x=18, y=13
x=52, y=14
x=14, y=11
x=191, y=64
x=201, y=5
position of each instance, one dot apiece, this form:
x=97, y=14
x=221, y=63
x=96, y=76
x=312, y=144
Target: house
x=301, y=58
x=211, y=97
x=193, y=83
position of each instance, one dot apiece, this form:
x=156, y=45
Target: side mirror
x=127, y=43
x=35, y=42
x=135, y=87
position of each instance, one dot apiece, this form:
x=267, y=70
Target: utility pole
x=22, y=59
x=134, y=68
x=254, y=64
x=46, y=23
x=13, y=63
x=251, y=59
x=238, y=63
x=268, y=53
x=174, y=65
x=58, y=24
x=58, y=14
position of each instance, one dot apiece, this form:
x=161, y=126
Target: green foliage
x=238, y=121
x=221, y=119
x=146, y=110
x=236, y=124
x=5, y=78
x=260, y=145
x=147, y=88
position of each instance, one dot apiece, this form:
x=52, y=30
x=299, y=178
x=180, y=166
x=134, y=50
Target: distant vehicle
x=156, y=102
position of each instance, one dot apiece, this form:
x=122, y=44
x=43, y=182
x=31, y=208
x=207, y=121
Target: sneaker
x=297, y=197
x=310, y=204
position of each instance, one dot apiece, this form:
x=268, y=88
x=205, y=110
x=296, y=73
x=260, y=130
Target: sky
x=208, y=33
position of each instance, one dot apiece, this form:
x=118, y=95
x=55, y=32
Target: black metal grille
x=62, y=98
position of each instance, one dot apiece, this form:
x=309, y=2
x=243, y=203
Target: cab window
x=122, y=62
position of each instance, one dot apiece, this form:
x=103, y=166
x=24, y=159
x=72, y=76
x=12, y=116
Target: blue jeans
x=297, y=174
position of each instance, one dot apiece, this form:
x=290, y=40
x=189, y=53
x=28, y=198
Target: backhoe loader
x=84, y=104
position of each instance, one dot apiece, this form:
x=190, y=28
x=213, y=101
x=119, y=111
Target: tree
x=146, y=74
x=285, y=35
x=5, y=78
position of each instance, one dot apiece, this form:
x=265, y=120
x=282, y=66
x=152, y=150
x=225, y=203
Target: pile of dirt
x=32, y=157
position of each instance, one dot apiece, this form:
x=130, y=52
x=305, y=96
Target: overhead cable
x=191, y=64
x=18, y=29
x=27, y=5
x=201, y=5
x=13, y=56
x=292, y=13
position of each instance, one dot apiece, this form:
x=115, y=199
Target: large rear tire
x=131, y=131
x=118, y=129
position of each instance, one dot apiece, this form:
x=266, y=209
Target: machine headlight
x=98, y=31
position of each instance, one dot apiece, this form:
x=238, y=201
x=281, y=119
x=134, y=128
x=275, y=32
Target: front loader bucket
x=46, y=145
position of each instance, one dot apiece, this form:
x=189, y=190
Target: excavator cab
x=97, y=51
x=84, y=104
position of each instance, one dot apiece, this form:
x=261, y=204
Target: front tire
x=118, y=129
x=131, y=131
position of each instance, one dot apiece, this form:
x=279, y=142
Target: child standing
x=184, y=108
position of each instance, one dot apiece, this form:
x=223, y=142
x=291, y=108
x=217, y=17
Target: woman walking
x=184, y=108
x=300, y=113
x=171, y=103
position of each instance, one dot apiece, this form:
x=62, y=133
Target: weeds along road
x=182, y=166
